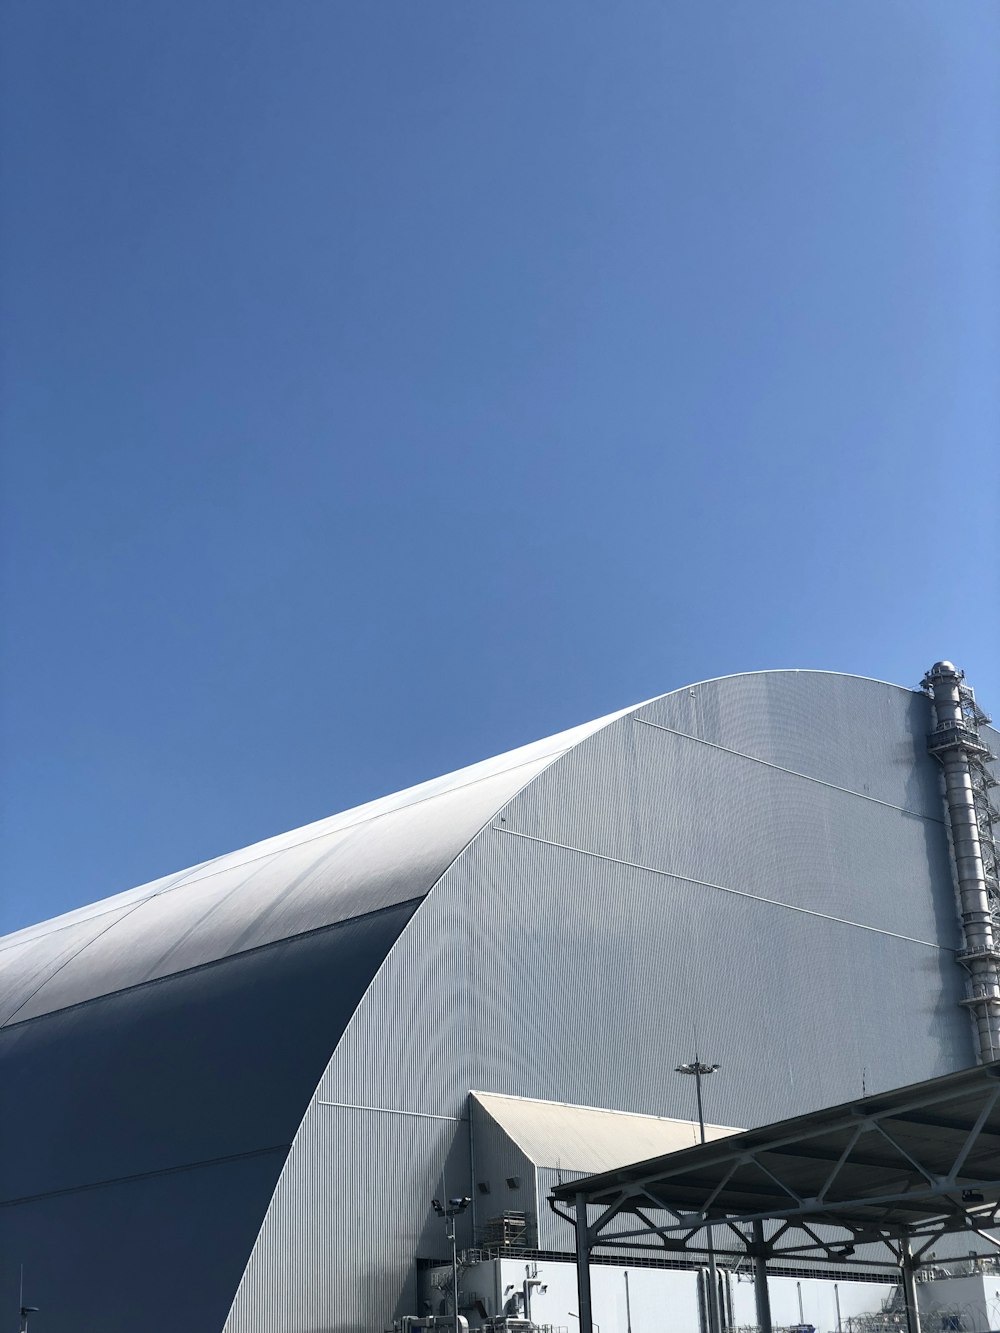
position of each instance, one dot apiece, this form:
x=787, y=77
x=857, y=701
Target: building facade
x=232, y=1094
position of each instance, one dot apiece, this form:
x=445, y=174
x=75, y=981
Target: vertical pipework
x=957, y=745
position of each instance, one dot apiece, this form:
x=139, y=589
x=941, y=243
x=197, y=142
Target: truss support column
x=586, y=1312
x=909, y=1271
x=761, y=1295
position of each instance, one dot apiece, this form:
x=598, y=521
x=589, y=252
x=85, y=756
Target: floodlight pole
x=699, y=1071
x=25, y=1310
x=454, y=1273
x=454, y=1210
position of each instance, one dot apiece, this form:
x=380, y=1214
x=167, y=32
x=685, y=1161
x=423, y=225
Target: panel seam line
x=723, y=888
x=146, y=1175
x=392, y=1110
x=185, y=879
x=792, y=772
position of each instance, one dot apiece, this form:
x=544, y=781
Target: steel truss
x=893, y=1173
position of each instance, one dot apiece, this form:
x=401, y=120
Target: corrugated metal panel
x=338, y=1229
x=163, y=1253
x=597, y=1002
x=586, y=1138
x=553, y=1232
x=856, y=733
x=366, y=867
x=154, y=1123
x=25, y=966
x=745, y=827
x=363, y=860
x=180, y=1029
x=537, y=752
x=93, y=911
x=601, y=797
x=660, y=890
x=538, y=970
x=547, y=974
x=503, y=1165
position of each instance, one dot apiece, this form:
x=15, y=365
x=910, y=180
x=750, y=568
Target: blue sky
x=386, y=385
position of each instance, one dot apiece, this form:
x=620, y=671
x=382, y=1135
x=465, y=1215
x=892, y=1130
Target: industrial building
x=231, y=1095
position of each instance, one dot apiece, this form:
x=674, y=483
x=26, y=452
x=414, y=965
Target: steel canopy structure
x=901, y=1169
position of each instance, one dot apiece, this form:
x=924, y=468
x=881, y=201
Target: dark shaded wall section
x=142, y=1133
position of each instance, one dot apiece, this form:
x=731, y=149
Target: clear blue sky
x=388, y=384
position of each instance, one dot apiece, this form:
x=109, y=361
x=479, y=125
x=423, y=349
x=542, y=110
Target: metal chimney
x=957, y=744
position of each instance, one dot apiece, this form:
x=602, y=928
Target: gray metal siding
x=845, y=730
x=498, y=1159
x=553, y=1232
x=725, y=820
x=29, y=962
x=159, y=1255
x=763, y=857
x=246, y=901
x=150, y=1126
x=589, y=1139
x=803, y=931
x=159, y=1048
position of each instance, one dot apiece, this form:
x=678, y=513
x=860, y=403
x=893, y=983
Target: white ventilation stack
x=957, y=744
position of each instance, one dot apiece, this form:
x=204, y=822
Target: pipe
x=956, y=744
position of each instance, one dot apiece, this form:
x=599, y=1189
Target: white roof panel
x=377, y=855
x=589, y=1138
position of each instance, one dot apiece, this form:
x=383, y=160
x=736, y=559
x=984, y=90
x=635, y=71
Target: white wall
x=819, y=1301
x=666, y=1301
x=655, y=1293
x=976, y=1297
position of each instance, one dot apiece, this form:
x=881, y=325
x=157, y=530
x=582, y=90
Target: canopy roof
x=921, y=1160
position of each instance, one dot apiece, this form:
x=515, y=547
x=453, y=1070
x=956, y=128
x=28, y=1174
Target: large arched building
x=230, y=1095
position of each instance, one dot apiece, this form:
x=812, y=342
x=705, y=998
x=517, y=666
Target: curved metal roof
x=377, y=855
x=388, y=851
x=170, y=1039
